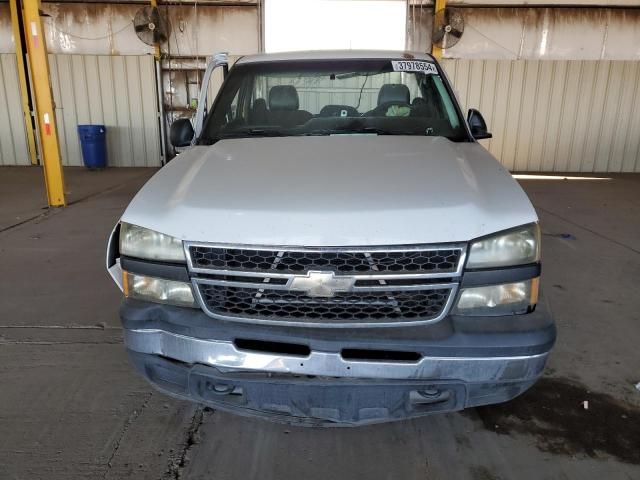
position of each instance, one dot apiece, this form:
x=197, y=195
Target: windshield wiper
x=378, y=131
x=358, y=130
x=250, y=132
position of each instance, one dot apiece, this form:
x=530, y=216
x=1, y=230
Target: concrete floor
x=23, y=197
x=71, y=407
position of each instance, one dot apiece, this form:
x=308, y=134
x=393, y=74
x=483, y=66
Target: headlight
x=158, y=290
x=505, y=299
x=516, y=247
x=141, y=242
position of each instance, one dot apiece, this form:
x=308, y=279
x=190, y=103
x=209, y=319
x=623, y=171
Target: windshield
x=341, y=97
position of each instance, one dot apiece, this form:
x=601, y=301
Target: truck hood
x=332, y=191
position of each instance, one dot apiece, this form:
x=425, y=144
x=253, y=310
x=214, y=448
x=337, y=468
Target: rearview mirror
x=477, y=125
x=181, y=132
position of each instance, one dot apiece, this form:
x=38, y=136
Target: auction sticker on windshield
x=414, y=66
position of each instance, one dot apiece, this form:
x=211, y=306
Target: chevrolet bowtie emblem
x=322, y=284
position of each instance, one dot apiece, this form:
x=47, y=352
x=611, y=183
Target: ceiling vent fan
x=448, y=26
x=151, y=26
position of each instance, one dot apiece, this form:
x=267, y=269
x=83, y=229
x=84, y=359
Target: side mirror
x=477, y=125
x=181, y=133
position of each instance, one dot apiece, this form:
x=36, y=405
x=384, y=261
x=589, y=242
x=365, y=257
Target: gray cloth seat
x=284, y=107
x=423, y=108
x=258, y=112
x=394, y=93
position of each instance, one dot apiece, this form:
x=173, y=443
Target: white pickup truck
x=334, y=247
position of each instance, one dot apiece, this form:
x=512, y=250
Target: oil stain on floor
x=554, y=412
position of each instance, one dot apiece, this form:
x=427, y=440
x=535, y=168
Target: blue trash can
x=93, y=140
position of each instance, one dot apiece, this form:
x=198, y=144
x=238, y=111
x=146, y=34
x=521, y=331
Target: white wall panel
x=556, y=33
x=555, y=116
x=117, y=91
x=6, y=32
x=13, y=140
x=107, y=29
x=419, y=26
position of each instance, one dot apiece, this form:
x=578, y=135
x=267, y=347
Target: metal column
x=16, y=15
x=39, y=69
x=156, y=48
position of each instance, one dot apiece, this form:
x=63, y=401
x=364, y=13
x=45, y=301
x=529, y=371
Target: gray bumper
x=323, y=389
x=322, y=401
x=226, y=357
x=460, y=363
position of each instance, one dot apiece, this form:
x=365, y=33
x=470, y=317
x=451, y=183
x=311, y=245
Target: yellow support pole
x=435, y=50
x=156, y=49
x=22, y=78
x=39, y=63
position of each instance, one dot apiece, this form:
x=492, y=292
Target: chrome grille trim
x=260, y=281
x=461, y=247
x=376, y=248
x=360, y=276
x=287, y=286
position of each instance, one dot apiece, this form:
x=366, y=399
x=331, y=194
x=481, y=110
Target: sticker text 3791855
x=414, y=66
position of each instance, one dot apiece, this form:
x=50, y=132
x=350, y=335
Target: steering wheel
x=381, y=110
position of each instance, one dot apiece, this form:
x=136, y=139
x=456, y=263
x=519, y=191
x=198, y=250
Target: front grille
x=326, y=286
x=344, y=262
x=369, y=306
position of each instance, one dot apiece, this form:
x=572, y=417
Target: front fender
x=113, y=256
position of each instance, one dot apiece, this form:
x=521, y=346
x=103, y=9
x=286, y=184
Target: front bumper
x=459, y=363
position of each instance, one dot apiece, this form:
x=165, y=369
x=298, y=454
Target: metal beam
x=16, y=15
x=200, y=3
x=435, y=50
x=39, y=69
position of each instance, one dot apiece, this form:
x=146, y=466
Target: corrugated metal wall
x=13, y=140
x=117, y=91
x=579, y=116
x=556, y=116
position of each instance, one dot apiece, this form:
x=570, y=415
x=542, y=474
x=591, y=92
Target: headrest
x=283, y=97
x=259, y=105
x=393, y=92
